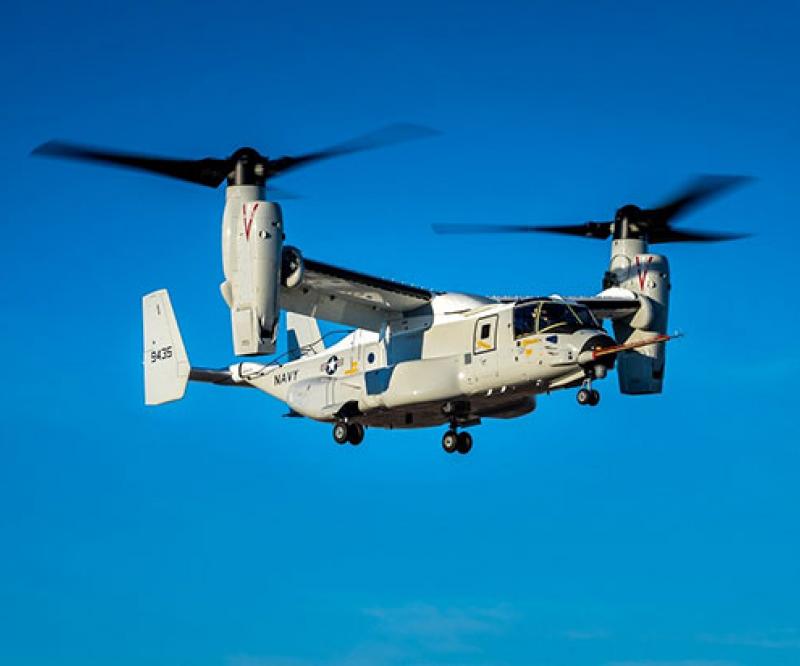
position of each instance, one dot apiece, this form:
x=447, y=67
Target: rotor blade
x=483, y=228
x=600, y=230
x=386, y=136
x=691, y=236
x=209, y=171
x=699, y=191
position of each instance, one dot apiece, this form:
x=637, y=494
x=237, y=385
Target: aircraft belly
x=424, y=415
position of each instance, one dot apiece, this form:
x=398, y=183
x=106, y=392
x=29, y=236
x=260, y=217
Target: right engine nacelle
x=647, y=275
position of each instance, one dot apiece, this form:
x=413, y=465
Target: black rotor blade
x=209, y=171
x=699, y=191
x=599, y=230
x=669, y=235
x=386, y=136
x=482, y=228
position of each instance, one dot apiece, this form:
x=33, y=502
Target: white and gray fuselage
x=463, y=358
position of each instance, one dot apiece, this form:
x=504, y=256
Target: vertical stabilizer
x=304, y=338
x=166, y=365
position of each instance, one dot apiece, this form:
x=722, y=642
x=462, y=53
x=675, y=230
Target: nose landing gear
x=588, y=396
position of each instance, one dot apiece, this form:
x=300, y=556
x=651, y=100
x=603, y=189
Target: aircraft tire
x=464, y=444
x=450, y=441
x=340, y=432
x=355, y=433
x=584, y=396
x=594, y=398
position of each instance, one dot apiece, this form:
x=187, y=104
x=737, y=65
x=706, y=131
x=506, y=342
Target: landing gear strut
x=453, y=441
x=348, y=432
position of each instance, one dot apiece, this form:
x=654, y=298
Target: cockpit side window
x=525, y=319
x=586, y=316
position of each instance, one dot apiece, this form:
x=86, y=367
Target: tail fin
x=166, y=365
x=304, y=338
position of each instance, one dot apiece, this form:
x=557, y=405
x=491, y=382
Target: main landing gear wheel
x=355, y=433
x=453, y=441
x=464, y=443
x=588, y=397
x=348, y=432
x=341, y=432
x=450, y=441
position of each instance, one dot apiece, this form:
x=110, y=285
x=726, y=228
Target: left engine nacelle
x=252, y=239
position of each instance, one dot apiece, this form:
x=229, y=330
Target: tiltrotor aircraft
x=417, y=358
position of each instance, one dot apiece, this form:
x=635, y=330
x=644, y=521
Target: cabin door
x=484, y=350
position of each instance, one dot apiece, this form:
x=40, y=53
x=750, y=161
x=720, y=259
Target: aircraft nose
x=596, y=343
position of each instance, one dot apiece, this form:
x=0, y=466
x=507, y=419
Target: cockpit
x=551, y=317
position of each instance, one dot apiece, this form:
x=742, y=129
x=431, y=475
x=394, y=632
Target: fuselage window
x=486, y=331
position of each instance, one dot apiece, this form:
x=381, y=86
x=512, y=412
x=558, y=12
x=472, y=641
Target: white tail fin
x=304, y=338
x=166, y=366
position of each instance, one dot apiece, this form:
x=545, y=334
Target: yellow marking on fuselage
x=353, y=369
x=526, y=343
x=484, y=345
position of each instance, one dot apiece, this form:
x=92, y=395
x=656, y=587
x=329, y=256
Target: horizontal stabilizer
x=220, y=377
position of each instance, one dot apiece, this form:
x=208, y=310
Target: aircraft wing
x=612, y=303
x=350, y=298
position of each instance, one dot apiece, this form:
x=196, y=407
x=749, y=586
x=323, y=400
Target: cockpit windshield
x=551, y=317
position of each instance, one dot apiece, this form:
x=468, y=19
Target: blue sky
x=648, y=532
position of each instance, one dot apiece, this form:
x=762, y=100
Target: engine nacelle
x=647, y=275
x=252, y=240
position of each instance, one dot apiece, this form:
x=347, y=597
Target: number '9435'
x=161, y=354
